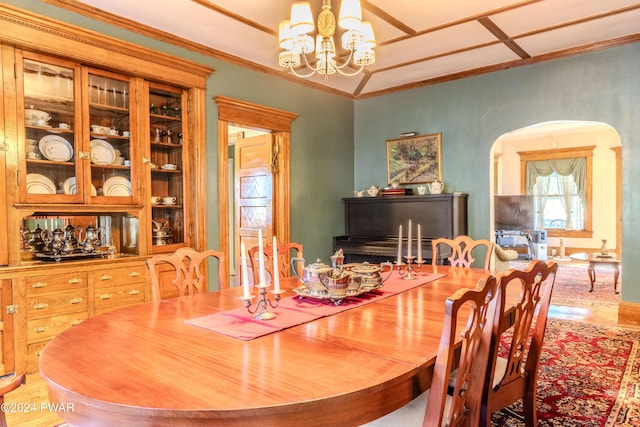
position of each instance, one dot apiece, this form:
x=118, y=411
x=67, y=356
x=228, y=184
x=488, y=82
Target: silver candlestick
x=263, y=303
x=407, y=269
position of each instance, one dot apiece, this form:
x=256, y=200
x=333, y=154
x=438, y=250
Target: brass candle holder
x=263, y=303
x=408, y=269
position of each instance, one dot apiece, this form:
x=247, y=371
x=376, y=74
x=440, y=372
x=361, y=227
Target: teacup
x=41, y=122
x=32, y=155
x=169, y=166
x=125, y=133
x=169, y=200
x=155, y=199
x=119, y=161
x=422, y=190
x=113, y=131
x=63, y=125
x=127, y=163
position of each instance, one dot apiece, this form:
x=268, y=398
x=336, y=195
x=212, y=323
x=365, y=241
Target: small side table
x=596, y=259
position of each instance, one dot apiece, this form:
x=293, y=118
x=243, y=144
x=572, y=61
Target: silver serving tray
x=49, y=256
x=324, y=294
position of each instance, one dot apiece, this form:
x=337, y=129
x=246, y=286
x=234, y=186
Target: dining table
x=172, y=363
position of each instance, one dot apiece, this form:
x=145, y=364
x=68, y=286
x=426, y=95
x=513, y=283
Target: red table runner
x=292, y=311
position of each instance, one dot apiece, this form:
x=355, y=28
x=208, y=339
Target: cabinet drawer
x=48, y=327
x=56, y=303
x=119, y=275
x=56, y=282
x=122, y=295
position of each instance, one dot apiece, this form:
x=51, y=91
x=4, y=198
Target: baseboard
x=629, y=313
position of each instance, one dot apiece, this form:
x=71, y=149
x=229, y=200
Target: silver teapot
x=91, y=239
x=313, y=275
x=366, y=275
x=34, y=239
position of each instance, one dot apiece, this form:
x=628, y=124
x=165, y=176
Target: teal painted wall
x=321, y=137
x=472, y=113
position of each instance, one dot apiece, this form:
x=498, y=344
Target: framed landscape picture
x=416, y=159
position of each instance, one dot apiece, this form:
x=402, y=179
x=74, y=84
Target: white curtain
x=540, y=195
x=537, y=183
x=567, y=186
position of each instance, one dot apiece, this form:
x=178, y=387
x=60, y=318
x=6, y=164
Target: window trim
x=564, y=153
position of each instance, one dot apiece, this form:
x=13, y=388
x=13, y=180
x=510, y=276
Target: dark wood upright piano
x=371, y=224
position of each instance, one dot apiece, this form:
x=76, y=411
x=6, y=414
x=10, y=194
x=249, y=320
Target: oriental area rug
x=589, y=377
x=572, y=286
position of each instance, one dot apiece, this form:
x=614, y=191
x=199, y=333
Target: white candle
x=276, y=273
x=399, y=245
x=245, y=276
x=409, y=243
x=261, y=259
x=419, y=244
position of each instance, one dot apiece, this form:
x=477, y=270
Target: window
x=557, y=203
x=560, y=180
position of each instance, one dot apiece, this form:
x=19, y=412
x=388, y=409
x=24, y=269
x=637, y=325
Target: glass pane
x=167, y=173
x=49, y=117
x=110, y=148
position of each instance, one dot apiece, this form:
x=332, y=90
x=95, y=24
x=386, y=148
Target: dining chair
x=513, y=375
x=462, y=250
x=285, y=252
x=8, y=384
x=190, y=271
x=459, y=344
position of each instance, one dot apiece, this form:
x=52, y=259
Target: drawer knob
x=76, y=300
x=134, y=291
x=106, y=277
x=39, y=285
x=134, y=274
x=40, y=329
x=75, y=281
x=105, y=296
x=40, y=306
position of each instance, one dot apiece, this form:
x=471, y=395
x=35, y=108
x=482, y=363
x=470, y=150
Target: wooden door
x=253, y=192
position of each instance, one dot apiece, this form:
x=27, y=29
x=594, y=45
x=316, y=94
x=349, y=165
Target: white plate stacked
x=118, y=186
x=70, y=187
x=39, y=184
x=55, y=148
x=102, y=153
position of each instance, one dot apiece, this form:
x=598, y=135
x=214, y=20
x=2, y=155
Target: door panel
x=253, y=191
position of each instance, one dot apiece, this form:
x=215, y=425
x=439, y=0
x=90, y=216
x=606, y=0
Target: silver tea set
x=338, y=281
x=63, y=241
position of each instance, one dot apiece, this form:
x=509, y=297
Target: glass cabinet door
x=51, y=119
x=109, y=176
x=168, y=167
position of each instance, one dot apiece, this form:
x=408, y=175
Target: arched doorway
x=556, y=135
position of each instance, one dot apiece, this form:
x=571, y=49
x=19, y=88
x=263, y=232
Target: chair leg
x=530, y=409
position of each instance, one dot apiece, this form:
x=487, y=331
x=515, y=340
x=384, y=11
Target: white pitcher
x=436, y=187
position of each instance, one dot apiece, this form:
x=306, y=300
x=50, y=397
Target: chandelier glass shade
x=358, y=40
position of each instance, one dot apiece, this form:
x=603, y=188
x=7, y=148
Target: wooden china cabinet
x=102, y=158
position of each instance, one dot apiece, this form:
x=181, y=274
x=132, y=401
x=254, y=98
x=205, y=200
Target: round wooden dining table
x=146, y=365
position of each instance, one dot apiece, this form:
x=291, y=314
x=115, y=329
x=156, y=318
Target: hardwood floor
x=33, y=394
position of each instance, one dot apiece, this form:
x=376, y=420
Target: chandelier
x=358, y=40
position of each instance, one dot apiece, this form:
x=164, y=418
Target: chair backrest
x=473, y=354
x=8, y=384
x=285, y=252
x=190, y=272
x=462, y=250
x=535, y=285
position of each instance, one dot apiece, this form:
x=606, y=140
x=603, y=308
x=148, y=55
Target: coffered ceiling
x=419, y=41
